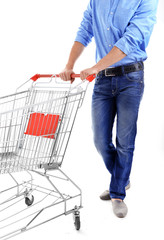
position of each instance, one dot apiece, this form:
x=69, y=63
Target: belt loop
x=123, y=70
x=105, y=70
x=141, y=65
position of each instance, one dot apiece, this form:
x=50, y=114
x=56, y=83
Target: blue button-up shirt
x=126, y=24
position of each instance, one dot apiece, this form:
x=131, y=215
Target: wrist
x=96, y=68
x=69, y=66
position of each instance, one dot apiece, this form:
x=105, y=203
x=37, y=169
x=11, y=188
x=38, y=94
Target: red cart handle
x=90, y=78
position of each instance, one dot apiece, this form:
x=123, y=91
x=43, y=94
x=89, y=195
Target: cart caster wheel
x=77, y=222
x=29, y=201
x=76, y=217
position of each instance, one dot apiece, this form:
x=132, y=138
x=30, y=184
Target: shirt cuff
x=81, y=40
x=124, y=46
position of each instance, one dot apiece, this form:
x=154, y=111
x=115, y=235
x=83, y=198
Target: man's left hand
x=86, y=72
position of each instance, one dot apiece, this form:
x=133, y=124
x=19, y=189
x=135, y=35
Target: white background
x=36, y=37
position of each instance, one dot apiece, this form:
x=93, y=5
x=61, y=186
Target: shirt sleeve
x=85, y=31
x=138, y=32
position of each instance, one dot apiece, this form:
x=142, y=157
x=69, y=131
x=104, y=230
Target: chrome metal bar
x=74, y=185
x=16, y=183
x=57, y=192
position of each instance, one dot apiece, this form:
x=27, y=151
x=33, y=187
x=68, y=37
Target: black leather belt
x=121, y=70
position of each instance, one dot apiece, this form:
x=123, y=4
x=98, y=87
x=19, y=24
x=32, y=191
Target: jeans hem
x=117, y=196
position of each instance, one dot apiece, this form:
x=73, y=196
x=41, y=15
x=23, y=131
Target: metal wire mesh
x=35, y=127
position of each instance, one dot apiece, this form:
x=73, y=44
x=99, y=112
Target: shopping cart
x=35, y=127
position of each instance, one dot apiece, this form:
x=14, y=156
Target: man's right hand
x=66, y=74
x=76, y=51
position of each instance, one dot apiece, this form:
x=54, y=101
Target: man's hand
x=66, y=74
x=115, y=55
x=76, y=51
x=89, y=71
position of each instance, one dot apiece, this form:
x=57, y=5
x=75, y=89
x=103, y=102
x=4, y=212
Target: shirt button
x=111, y=13
x=110, y=45
x=108, y=29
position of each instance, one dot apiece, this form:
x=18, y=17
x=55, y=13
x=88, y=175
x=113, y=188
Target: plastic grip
x=90, y=78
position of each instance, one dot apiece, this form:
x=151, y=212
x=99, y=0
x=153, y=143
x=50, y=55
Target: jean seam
x=116, y=87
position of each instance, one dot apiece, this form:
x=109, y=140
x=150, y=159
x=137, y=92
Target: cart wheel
x=76, y=217
x=29, y=201
x=77, y=222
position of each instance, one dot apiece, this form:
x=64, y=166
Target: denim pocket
x=135, y=76
x=133, y=83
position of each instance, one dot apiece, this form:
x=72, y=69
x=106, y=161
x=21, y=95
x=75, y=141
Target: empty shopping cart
x=35, y=127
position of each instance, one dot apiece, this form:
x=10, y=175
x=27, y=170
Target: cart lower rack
x=35, y=127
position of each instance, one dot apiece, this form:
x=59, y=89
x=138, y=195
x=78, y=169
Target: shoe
x=106, y=196
x=119, y=208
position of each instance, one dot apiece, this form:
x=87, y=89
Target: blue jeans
x=121, y=96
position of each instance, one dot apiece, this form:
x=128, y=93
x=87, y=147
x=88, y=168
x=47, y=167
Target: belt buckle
x=110, y=74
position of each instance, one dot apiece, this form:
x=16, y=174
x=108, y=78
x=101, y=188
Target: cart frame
x=34, y=137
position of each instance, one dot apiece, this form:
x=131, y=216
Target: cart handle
x=90, y=78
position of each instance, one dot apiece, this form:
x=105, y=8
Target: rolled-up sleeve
x=85, y=31
x=138, y=32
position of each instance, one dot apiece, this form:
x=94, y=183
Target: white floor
x=37, y=37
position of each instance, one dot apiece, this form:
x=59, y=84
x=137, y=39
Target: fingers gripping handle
x=90, y=78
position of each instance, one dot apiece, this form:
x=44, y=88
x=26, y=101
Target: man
x=122, y=31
